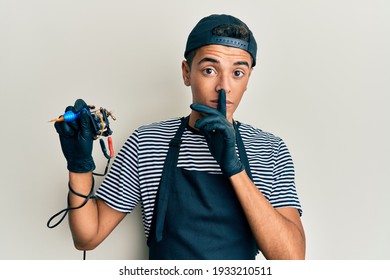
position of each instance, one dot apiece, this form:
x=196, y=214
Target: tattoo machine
x=101, y=127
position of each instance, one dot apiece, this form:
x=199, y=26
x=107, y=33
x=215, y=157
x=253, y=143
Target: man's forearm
x=83, y=222
x=278, y=233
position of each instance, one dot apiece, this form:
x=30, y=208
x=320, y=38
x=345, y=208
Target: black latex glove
x=77, y=139
x=220, y=136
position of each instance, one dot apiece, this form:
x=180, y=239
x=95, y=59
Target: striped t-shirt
x=136, y=172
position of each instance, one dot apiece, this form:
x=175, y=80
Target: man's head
x=223, y=30
x=220, y=54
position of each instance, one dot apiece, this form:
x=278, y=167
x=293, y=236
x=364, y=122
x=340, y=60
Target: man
x=210, y=187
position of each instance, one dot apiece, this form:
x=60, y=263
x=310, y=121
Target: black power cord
x=68, y=208
x=65, y=211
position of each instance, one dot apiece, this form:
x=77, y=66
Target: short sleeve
x=120, y=188
x=284, y=192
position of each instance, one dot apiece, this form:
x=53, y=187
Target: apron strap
x=163, y=193
x=241, y=150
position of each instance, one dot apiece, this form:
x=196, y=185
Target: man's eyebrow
x=213, y=60
x=242, y=63
x=208, y=59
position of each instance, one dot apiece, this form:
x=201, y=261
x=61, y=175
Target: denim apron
x=197, y=215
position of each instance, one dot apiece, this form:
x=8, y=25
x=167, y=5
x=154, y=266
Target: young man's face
x=216, y=67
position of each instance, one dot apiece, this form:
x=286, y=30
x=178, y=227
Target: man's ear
x=185, y=69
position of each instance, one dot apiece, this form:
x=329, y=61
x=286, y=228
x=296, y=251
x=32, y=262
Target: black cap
x=202, y=35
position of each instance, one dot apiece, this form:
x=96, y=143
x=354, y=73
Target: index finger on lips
x=222, y=102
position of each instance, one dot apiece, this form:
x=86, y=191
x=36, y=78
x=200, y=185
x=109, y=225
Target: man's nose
x=223, y=83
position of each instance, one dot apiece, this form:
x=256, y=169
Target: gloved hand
x=220, y=136
x=76, y=139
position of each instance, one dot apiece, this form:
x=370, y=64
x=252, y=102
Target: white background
x=321, y=83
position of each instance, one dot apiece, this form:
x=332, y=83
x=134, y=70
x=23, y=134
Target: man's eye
x=209, y=71
x=238, y=73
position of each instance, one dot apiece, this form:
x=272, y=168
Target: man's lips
x=215, y=102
